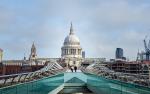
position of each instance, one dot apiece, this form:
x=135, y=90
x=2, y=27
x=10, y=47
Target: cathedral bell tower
x=33, y=54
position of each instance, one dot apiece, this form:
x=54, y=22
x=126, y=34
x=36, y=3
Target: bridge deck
x=93, y=83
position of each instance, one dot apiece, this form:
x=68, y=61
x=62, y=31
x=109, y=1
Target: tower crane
x=147, y=49
x=149, y=45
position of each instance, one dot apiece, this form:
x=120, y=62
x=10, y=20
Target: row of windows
x=66, y=43
x=71, y=51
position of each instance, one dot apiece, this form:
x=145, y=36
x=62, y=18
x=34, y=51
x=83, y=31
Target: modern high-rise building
x=119, y=53
x=83, y=54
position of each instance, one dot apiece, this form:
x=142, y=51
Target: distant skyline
x=101, y=25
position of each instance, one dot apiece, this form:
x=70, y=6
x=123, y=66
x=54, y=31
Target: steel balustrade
x=51, y=68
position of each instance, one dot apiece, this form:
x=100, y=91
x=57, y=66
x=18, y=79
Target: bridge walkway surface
x=75, y=83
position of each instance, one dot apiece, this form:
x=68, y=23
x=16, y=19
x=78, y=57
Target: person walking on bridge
x=75, y=68
x=71, y=68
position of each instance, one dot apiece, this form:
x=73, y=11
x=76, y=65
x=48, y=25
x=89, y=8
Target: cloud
x=102, y=26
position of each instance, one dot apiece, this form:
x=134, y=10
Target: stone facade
x=8, y=67
x=71, y=50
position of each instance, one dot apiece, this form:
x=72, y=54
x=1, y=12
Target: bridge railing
x=142, y=80
x=51, y=68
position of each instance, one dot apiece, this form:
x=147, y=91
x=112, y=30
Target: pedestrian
x=75, y=68
x=71, y=69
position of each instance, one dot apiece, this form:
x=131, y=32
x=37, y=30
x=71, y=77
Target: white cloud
x=102, y=25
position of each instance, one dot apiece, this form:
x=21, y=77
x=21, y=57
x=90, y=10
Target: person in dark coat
x=75, y=68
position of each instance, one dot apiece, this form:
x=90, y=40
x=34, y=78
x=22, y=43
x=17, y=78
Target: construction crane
x=149, y=45
x=147, y=48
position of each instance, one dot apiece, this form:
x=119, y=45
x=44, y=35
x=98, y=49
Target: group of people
x=73, y=68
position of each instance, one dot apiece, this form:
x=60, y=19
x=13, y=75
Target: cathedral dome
x=71, y=39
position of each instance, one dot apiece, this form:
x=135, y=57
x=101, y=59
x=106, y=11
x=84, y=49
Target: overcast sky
x=101, y=25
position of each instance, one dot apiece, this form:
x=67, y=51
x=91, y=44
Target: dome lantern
x=71, y=29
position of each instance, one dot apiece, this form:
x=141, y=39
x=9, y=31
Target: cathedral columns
x=66, y=51
x=71, y=51
x=79, y=51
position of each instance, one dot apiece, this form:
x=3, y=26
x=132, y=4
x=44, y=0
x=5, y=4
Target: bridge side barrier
x=52, y=68
x=105, y=72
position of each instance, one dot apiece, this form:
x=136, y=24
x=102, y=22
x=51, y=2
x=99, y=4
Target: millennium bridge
x=54, y=79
